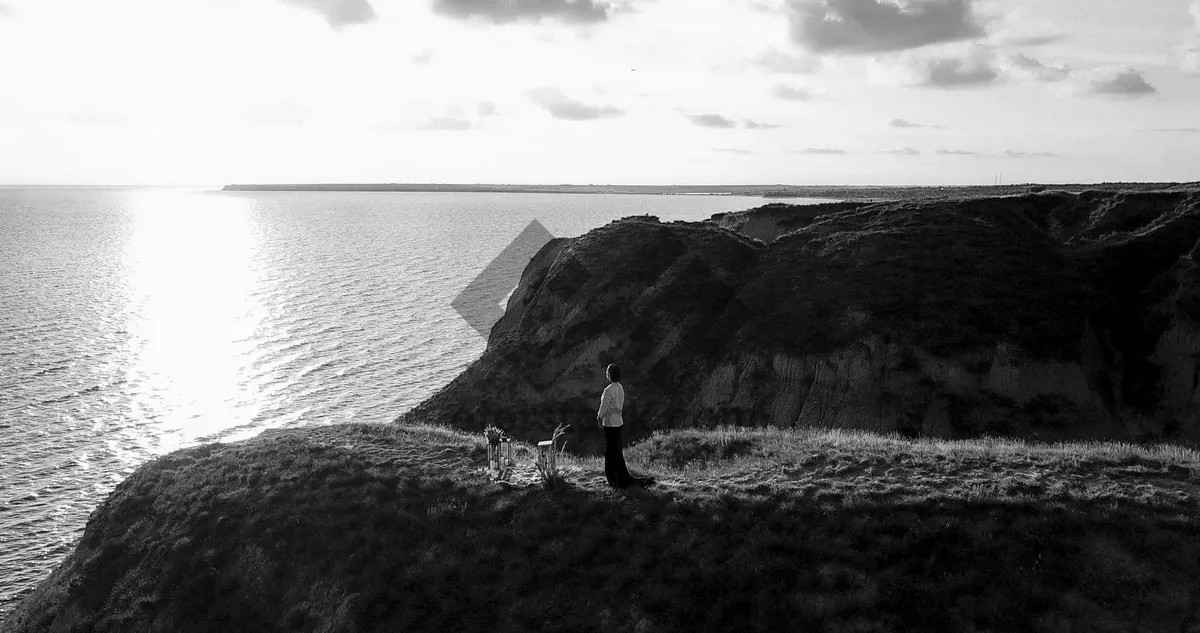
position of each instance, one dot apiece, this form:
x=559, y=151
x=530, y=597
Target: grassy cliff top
x=397, y=527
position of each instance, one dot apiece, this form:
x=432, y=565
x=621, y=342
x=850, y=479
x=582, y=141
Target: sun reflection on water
x=191, y=280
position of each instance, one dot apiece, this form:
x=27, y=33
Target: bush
x=550, y=473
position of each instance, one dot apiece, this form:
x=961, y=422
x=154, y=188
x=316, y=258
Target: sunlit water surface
x=137, y=322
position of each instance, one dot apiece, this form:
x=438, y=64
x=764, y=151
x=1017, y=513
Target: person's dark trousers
x=614, y=461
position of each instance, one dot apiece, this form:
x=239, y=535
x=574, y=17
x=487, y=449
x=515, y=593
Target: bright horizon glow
x=175, y=92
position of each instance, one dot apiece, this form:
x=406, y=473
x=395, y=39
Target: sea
x=135, y=322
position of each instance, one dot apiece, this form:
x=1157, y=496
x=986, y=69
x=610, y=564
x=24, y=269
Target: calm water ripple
x=136, y=322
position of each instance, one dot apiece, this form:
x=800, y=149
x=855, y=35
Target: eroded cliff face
x=1052, y=315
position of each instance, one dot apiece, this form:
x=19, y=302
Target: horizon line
x=543, y=184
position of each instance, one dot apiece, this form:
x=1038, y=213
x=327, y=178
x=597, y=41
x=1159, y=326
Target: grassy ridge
x=364, y=527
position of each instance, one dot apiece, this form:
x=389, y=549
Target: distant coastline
x=836, y=192
x=710, y=190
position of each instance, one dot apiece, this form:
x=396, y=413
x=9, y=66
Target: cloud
x=338, y=13
x=792, y=94
x=447, y=123
x=1023, y=27
x=1174, y=130
x=732, y=150
x=955, y=152
x=1011, y=154
x=1190, y=51
x=1120, y=81
x=1190, y=59
x=954, y=72
x=714, y=120
x=767, y=6
x=562, y=107
x=1033, y=40
x=486, y=108
x=509, y=11
x=777, y=61
x=1026, y=67
x=901, y=123
x=874, y=26
x=711, y=120
x=5, y=12
x=903, y=151
x=820, y=151
x=423, y=58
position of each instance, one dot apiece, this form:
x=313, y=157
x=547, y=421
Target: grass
x=549, y=472
x=382, y=528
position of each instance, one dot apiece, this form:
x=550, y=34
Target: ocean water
x=134, y=322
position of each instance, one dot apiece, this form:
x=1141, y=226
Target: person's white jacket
x=611, y=403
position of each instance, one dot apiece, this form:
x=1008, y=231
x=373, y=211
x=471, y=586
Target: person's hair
x=614, y=372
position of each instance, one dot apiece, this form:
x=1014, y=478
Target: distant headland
x=840, y=192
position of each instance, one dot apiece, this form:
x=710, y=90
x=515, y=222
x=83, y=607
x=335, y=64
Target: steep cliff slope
x=1054, y=315
x=348, y=528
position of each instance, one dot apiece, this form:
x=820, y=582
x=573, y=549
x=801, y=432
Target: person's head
x=614, y=373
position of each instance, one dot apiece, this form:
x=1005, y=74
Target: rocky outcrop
x=1053, y=315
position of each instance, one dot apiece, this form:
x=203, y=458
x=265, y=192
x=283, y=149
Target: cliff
x=1053, y=315
x=394, y=528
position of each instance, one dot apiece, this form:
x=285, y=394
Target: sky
x=208, y=92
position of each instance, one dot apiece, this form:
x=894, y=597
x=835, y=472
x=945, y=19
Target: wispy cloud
x=721, y=122
x=905, y=124
x=447, y=123
x=562, y=107
x=1190, y=58
x=5, y=12
x=1174, y=130
x=777, y=61
x=903, y=151
x=820, y=151
x=1120, y=81
x=955, y=152
x=954, y=72
x=1034, y=40
x=338, y=13
x=1014, y=154
x=732, y=150
x=873, y=26
x=1026, y=67
x=1023, y=27
x=792, y=94
x=712, y=120
x=1189, y=53
x=509, y=11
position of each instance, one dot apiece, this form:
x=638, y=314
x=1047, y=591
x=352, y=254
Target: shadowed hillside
x=394, y=528
x=1053, y=315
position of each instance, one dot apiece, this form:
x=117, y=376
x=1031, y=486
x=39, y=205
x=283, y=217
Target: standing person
x=609, y=419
